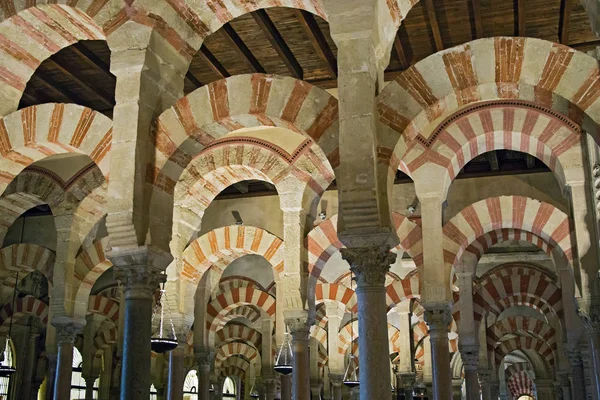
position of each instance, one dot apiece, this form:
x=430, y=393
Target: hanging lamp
x=8, y=370
x=253, y=392
x=162, y=342
x=283, y=363
x=350, y=376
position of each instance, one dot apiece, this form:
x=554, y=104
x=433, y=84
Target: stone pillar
x=29, y=368
x=370, y=265
x=336, y=383
x=105, y=377
x=457, y=389
x=139, y=273
x=300, y=330
x=335, y=314
x=65, y=338
x=89, y=387
x=564, y=386
x=286, y=387
x=408, y=384
x=578, y=390
x=270, y=387
x=470, y=359
x=176, y=374
x=485, y=377
x=205, y=360
x=51, y=375
x=438, y=318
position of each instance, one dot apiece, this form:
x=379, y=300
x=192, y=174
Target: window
x=153, y=392
x=190, y=386
x=77, y=381
x=8, y=360
x=229, y=388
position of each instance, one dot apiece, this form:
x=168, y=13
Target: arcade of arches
x=435, y=229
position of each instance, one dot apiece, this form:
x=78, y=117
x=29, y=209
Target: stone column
x=336, y=382
x=577, y=376
x=89, y=387
x=29, y=368
x=485, y=377
x=370, y=265
x=270, y=387
x=408, y=384
x=564, y=386
x=205, y=360
x=438, y=318
x=300, y=330
x=139, y=273
x=286, y=387
x=51, y=375
x=176, y=374
x=105, y=377
x=470, y=359
x=457, y=389
x=315, y=391
x=65, y=338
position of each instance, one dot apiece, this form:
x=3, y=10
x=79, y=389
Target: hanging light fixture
x=162, y=342
x=253, y=392
x=8, y=370
x=283, y=363
x=351, y=377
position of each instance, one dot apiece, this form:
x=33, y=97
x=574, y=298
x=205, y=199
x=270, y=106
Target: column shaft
x=578, y=381
x=595, y=358
x=29, y=371
x=470, y=359
x=286, y=387
x=301, y=373
x=204, y=362
x=270, y=388
x=472, y=385
x=50, y=376
x=65, y=337
x=176, y=374
x=89, y=388
x=438, y=319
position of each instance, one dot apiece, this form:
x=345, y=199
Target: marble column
x=300, y=330
x=470, y=359
x=438, y=318
x=270, y=388
x=286, y=387
x=205, y=360
x=578, y=388
x=370, y=265
x=89, y=387
x=30, y=366
x=65, y=338
x=408, y=384
x=336, y=383
x=176, y=374
x=51, y=375
x=485, y=377
x=105, y=377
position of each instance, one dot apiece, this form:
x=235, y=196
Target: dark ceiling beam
x=268, y=27
x=104, y=97
x=476, y=7
x=90, y=59
x=314, y=33
x=492, y=158
x=213, y=63
x=433, y=23
x=62, y=97
x=242, y=49
x=29, y=99
x=520, y=28
x=192, y=78
x=564, y=21
x=530, y=161
x=404, y=63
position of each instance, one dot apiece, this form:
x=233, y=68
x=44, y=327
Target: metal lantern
x=8, y=370
x=162, y=342
x=285, y=357
x=351, y=375
x=253, y=392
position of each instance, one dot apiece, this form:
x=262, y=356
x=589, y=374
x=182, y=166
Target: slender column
x=485, y=376
x=270, y=388
x=457, y=389
x=438, y=318
x=65, y=338
x=408, y=384
x=336, y=382
x=51, y=375
x=139, y=272
x=286, y=387
x=563, y=390
x=29, y=369
x=205, y=360
x=470, y=359
x=370, y=264
x=105, y=377
x=176, y=374
x=300, y=329
x=89, y=387
x=577, y=375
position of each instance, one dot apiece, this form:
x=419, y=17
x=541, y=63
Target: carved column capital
x=66, y=334
x=369, y=264
x=140, y=270
x=470, y=357
x=336, y=380
x=485, y=376
x=299, y=326
x=588, y=309
x=205, y=359
x=438, y=317
x=408, y=380
x=574, y=357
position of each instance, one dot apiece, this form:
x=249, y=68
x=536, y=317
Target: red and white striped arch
x=104, y=306
x=500, y=124
x=26, y=257
x=512, y=68
x=520, y=384
x=27, y=305
x=507, y=212
x=235, y=349
x=320, y=334
x=524, y=342
x=325, y=292
x=238, y=332
x=36, y=132
x=235, y=361
x=236, y=240
x=504, y=287
x=226, y=302
x=105, y=337
x=245, y=311
x=321, y=318
x=232, y=370
x=89, y=265
x=404, y=289
x=521, y=324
